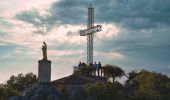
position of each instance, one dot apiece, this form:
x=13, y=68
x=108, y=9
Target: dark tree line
x=142, y=85
x=146, y=85
x=16, y=84
x=110, y=71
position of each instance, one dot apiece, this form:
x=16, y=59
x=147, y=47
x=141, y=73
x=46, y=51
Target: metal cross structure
x=89, y=32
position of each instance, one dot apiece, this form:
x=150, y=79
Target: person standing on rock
x=79, y=65
x=95, y=66
x=99, y=68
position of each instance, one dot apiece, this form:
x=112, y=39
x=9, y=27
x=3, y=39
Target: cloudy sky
x=135, y=34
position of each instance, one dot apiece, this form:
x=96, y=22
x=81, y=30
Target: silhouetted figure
x=79, y=65
x=95, y=67
x=83, y=64
x=99, y=68
x=91, y=64
x=92, y=69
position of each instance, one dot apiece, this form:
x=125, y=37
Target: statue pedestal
x=44, y=71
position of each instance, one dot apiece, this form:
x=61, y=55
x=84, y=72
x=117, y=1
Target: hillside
x=142, y=85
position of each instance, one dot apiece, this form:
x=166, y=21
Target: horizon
x=135, y=35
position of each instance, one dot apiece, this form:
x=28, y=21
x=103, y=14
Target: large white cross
x=89, y=32
x=92, y=30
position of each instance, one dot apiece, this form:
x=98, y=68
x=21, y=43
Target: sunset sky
x=135, y=35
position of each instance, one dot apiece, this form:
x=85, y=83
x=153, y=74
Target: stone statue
x=44, y=67
x=44, y=51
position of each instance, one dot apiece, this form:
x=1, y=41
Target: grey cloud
x=133, y=14
x=140, y=47
x=70, y=34
x=4, y=23
x=30, y=16
x=62, y=12
x=69, y=12
x=33, y=17
x=146, y=23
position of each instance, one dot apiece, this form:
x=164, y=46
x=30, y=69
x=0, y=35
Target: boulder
x=53, y=97
x=39, y=92
x=29, y=92
x=42, y=90
x=37, y=97
x=15, y=98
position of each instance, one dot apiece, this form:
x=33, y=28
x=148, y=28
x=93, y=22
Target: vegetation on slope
x=16, y=84
x=143, y=85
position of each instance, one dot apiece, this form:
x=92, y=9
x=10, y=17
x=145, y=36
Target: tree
x=20, y=82
x=104, y=91
x=6, y=92
x=113, y=71
x=16, y=84
x=132, y=75
x=86, y=70
x=151, y=86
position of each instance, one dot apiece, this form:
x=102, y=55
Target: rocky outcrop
x=39, y=92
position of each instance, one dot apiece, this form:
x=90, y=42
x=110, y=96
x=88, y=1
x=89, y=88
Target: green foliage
x=16, y=84
x=85, y=71
x=151, y=86
x=20, y=82
x=108, y=70
x=132, y=75
x=113, y=71
x=141, y=85
x=104, y=91
x=6, y=92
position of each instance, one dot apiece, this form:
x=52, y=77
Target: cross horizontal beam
x=92, y=30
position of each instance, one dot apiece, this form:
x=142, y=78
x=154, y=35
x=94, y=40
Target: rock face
x=39, y=92
x=75, y=93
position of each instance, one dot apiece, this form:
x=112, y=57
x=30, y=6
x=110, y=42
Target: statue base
x=44, y=71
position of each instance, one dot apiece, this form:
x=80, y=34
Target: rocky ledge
x=39, y=92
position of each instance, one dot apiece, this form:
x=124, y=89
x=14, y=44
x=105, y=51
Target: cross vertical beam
x=91, y=29
x=90, y=25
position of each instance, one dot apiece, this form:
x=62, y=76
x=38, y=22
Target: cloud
x=9, y=9
x=3, y=44
x=128, y=12
x=111, y=55
x=33, y=17
x=135, y=33
x=127, y=29
x=108, y=31
x=123, y=13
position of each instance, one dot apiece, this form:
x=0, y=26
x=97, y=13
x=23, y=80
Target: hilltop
x=142, y=85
